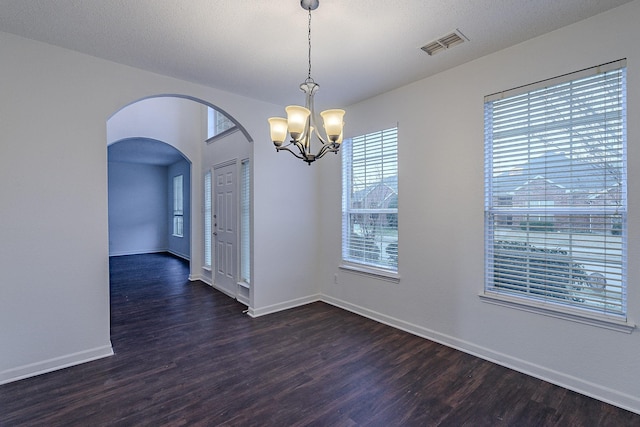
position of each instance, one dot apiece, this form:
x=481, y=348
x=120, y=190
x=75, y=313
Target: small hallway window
x=178, y=206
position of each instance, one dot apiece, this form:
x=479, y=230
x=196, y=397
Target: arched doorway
x=149, y=185
x=181, y=123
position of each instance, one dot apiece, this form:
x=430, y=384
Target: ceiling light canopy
x=300, y=123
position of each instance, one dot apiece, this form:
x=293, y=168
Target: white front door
x=225, y=227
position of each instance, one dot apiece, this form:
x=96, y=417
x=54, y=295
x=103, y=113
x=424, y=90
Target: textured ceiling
x=258, y=48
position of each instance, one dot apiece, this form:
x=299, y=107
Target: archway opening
x=182, y=123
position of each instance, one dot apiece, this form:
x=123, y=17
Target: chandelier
x=300, y=123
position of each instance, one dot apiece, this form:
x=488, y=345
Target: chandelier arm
x=303, y=147
x=306, y=145
x=320, y=138
x=292, y=152
x=297, y=144
x=309, y=158
x=327, y=148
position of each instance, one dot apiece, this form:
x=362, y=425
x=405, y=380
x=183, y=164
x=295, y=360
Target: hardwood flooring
x=187, y=355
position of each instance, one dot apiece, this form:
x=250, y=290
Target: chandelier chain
x=309, y=39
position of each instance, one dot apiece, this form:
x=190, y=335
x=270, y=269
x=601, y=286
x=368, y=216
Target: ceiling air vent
x=444, y=42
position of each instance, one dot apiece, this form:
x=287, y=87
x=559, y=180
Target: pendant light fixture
x=300, y=123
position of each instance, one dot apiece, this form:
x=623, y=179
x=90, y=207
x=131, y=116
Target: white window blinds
x=207, y=219
x=178, y=206
x=555, y=191
x=370, y=200
x=245, y=225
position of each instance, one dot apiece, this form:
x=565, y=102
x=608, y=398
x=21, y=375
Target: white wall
x=174, y=121
x=54, y=285
x=138, y=209
x=441, y=216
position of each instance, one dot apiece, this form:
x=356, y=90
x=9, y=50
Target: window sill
x=601, y=321
x=376, y=273
x=222, y=134
x=206, y=268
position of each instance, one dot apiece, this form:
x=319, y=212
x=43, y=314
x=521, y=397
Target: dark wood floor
x=187, y=355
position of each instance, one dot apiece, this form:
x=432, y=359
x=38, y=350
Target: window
x=370, y=200
x=207, y=219
x=555, y=193
x=178, y=206
x=245, y=219
x=217, y=123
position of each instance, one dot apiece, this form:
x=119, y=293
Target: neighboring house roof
x=390, y=183
x=536, y=178
x=552, y=166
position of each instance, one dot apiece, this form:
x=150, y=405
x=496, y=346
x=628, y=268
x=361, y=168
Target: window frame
x=245, y=222
x=207, y=213
x=370, y=142
x=213, y=118
x=178, y=206
x=498, y=212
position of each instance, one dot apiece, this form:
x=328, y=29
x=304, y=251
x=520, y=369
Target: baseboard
x=42, y=367
x=179, y=255
x=151, y=251
x=283, y=306
x=613, y=397
x=242, y=300
x=244, y=293
x=138, y=252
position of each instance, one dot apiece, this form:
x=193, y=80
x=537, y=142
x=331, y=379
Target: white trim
x=243, y=300
x=211, y=283
x=139, y=252
x=223, y=164
x=283, y=305
x=152, y=251
x=179, y=255
x=222, y=134
x=604, y=394
x=54, y=364
x=244, y=293
x=376, y=273
x=613, y=323
x=195, y=277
